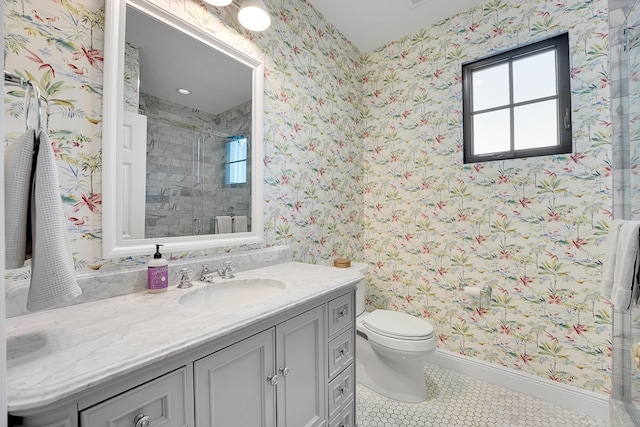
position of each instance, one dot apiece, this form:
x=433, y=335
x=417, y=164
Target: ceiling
x=369, y=24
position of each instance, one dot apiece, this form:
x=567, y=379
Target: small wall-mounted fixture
x=252, y=14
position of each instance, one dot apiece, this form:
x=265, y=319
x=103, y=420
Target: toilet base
x=403, y=381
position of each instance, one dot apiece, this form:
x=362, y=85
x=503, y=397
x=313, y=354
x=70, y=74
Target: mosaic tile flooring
x=457, y=400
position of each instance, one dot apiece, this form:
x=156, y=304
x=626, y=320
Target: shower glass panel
x=631, y=40
x=185, y=181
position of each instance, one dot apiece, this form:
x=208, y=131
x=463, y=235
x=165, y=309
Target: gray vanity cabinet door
x=165, y=401
x=231, y=385
x=301, y=363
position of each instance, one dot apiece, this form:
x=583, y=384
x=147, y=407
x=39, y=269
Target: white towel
x=240, y=224
x=224, y=224
x=609, y=267
x=53, y=280
x=17, y=175
x=625, y=280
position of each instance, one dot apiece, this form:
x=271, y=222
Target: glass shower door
x=631, y=174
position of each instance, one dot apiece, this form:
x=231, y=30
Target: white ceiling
x=369, y=24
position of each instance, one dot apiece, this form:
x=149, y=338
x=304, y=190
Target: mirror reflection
x=186, y=159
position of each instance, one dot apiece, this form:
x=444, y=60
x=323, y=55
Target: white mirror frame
x=113, y=243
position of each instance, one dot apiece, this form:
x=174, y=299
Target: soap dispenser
x=158, y=272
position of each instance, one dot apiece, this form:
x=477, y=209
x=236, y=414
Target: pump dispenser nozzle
x=158, y=254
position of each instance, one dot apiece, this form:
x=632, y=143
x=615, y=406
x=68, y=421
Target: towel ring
x=31, y=86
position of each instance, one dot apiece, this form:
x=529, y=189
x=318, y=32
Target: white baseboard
x=568, y=397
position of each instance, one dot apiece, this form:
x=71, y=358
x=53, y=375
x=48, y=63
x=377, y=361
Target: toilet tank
x=360, y=287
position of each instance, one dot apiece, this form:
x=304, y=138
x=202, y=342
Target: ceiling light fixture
x=182, y=91
x=252, y=14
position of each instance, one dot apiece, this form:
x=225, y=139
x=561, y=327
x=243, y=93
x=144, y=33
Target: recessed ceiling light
x=182, y=91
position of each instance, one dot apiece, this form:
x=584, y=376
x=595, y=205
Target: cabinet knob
x=273, y=380
x=342, y=390
x=142, y=420
x=342, y=312
x=284, y=371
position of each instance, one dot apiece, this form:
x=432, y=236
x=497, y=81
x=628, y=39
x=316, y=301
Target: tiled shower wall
x=185, y=170
x=621, y=326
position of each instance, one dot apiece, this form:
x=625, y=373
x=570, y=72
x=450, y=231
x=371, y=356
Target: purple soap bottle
x=158, y=273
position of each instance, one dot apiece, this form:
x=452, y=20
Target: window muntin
x=236, y=161
x=518, y=103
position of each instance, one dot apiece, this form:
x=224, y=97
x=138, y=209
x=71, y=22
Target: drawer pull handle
x=342, y=313
x=342, y=390
x=273, y=380
x=342, y=351
x=343, y=425
x=142, y=420
x=284, y=371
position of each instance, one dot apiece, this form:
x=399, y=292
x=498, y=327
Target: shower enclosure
x=186, y=186
x=624, y=34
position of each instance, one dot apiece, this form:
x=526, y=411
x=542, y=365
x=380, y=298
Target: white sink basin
x=232, y=295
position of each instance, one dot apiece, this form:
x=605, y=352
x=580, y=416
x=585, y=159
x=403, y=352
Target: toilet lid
x=395, y=324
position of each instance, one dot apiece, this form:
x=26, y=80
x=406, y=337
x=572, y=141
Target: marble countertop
x=55, y=354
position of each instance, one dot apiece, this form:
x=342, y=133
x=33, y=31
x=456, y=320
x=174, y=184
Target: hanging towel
x=17, y=173
x=240, y=224
x=610, y=258
x=53, y=280
x=625, y=280
x=224, y=224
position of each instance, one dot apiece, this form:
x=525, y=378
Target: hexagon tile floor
x=458, y=400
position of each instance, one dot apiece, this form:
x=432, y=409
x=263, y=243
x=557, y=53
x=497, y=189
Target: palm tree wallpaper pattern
x=363, y=159
x=533, y=229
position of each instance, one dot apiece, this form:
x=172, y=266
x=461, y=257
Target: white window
x=518, y=103
x=236, y=161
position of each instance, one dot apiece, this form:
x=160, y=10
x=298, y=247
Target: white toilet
x=391, y=348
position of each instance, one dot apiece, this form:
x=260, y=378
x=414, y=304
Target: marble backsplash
x=106, y=284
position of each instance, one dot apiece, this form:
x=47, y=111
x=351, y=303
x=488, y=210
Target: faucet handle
x=226, y=271
x=185, y=282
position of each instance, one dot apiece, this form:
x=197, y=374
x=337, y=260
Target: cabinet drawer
x=340, y=352
x=164, y=400
x=341, y=391
x=340, y=313
x=346, y=418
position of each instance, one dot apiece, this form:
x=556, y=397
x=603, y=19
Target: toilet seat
x=394, y=324
x=398, y=331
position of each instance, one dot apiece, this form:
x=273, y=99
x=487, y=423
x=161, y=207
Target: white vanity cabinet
x=274, y=378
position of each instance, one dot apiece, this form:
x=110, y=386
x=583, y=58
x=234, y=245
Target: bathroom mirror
x=184, y=170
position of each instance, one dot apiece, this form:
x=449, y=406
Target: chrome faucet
x=225, y=272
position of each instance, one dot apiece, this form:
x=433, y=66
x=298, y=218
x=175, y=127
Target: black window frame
x=559, y=43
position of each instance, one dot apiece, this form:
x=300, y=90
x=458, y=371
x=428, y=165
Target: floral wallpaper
x=313, y=201
x=532, y=229
x=363, y=160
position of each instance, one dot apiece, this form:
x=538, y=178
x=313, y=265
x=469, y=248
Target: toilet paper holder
x=479, y=293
